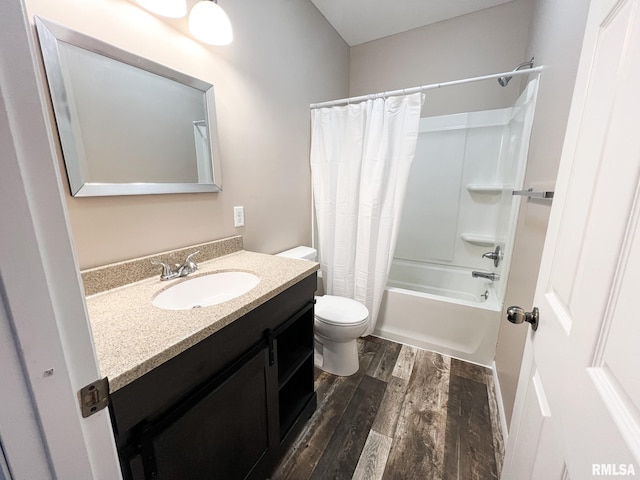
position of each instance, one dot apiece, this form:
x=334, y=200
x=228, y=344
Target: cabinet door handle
x=147, y=452
x=272, y=354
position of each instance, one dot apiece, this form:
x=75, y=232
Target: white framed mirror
x=127, y=125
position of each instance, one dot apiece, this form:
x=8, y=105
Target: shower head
x=503, y=81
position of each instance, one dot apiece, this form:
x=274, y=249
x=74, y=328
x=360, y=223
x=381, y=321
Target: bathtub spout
x=489, y=276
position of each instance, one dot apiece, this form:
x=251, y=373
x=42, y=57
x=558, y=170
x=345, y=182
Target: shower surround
x=459, y=206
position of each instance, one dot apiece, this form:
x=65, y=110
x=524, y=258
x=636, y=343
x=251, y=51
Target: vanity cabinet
x=227, y=407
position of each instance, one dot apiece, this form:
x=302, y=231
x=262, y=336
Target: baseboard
x=501, y=412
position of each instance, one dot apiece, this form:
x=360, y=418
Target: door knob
x=517, y=315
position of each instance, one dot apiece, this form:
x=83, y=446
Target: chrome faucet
x=189, y=266
x=489, y=276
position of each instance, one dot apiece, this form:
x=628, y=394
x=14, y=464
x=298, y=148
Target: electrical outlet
x=238, y=216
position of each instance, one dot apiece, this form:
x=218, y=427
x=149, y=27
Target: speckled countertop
x=132, y=336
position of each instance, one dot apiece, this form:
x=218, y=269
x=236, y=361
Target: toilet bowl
x=338, y=322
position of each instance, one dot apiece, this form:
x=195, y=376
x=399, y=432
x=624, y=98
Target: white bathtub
x=441, y=309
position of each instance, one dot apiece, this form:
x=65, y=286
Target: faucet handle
x=496, y=255
x=167, y=273
x=189, y=266
x=188, y=259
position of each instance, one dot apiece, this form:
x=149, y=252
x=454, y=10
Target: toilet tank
x=303, y=253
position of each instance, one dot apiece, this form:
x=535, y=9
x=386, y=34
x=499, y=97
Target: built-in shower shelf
x=480, y=240
x=486, y=189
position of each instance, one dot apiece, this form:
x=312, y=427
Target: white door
x=46, y=351
x=577, y=412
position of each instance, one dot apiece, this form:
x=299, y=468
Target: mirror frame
x=50, y=35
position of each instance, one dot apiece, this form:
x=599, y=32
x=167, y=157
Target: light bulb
x=209, y=24
x=166, y=8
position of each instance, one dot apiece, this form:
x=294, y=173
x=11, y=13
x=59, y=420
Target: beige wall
x=488, y=41
x=555, y=40
x=284, y=56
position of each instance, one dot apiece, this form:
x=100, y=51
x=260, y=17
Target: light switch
x=238, y=216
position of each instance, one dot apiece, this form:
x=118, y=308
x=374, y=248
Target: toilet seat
x=340, y=311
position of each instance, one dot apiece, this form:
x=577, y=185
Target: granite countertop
x=132, y=336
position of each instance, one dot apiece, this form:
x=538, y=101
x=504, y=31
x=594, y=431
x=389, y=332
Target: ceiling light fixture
x=210, y=24
x=166, y=8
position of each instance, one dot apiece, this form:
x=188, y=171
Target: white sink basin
x=206, y=290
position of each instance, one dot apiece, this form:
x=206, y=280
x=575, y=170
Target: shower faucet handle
x=496, y=255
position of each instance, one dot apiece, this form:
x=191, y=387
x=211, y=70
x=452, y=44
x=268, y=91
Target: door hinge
x=94, y=397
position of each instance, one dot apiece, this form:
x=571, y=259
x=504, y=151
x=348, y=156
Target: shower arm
x=528, y=64
x=503, y=81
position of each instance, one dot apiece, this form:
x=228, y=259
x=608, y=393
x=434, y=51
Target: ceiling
x=360, y=21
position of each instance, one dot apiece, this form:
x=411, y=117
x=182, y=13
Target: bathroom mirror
x=127, y=125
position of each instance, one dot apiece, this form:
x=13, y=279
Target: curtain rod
x=407, y=91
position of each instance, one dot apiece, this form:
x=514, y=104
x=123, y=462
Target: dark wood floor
x=406, y=414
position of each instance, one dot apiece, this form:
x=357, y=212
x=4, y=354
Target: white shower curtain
x=360, y=160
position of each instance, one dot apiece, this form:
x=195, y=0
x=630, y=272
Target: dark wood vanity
x=227, y=407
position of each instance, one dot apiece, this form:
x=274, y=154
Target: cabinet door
x=222, y=432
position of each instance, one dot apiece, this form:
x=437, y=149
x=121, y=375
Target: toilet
x=338, y=322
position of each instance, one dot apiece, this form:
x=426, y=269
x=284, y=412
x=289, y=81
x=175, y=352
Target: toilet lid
x=340, y=310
